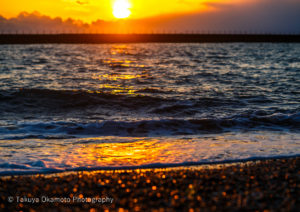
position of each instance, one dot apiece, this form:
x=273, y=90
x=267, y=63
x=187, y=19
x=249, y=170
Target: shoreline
x=271, y=184
x=145, y=38
x=187, y=165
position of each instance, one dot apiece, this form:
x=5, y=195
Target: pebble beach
x=268, y=185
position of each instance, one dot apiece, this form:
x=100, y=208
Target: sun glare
x=121, y=9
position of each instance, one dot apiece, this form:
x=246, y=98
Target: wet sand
x=271, y=185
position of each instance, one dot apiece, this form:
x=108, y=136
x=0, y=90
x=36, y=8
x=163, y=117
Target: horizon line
x=145, y=38
x=156, y=33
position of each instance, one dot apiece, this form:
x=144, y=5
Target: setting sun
x=121, y=9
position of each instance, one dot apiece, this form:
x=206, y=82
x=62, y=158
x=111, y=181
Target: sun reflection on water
x=123, y=72
x=135, y=153
x=111, y=151
x=131, y=151
x=114, y=152
x=119, y=152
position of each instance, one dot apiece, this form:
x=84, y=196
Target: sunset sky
x=268, y=15
x=91, y=10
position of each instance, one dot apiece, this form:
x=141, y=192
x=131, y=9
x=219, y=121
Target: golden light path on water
x=125, y=70
x=130, y=151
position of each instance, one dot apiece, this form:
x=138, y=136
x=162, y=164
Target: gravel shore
x=270, y=185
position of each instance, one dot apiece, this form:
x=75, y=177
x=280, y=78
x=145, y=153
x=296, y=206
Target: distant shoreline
x=144, y=38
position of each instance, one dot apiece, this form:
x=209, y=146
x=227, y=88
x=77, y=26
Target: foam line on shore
x=188, y=165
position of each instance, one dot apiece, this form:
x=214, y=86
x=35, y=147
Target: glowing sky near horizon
x=92, y=10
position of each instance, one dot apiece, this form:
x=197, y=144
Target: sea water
x=87, y=107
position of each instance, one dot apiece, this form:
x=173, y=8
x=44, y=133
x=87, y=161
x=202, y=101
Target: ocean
x=110, y=106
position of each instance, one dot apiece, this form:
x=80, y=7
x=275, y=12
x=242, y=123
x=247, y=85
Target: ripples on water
x=181, y=102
